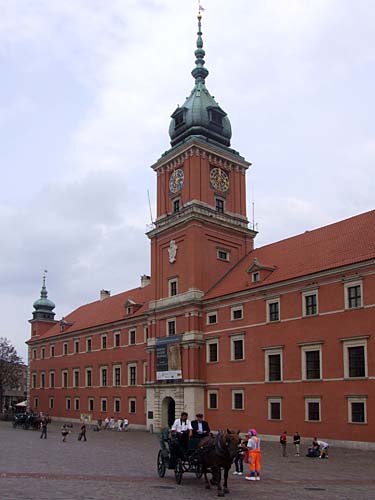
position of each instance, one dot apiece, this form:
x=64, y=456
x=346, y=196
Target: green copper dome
x=43, y=306
x=200, y=114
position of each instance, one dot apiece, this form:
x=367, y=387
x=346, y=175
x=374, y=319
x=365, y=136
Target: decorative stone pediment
x=259, y=271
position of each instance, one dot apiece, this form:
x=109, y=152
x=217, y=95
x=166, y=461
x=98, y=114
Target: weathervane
x=44, y=277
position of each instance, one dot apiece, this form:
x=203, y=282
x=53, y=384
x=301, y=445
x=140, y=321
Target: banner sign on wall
x=168, y=358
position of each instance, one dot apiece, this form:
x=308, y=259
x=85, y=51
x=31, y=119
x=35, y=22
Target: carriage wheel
x=198, y=471
x=161, y=465
x=178, y=471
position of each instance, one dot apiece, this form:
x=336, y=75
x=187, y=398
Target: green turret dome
x=200, y=114
x=43, y=306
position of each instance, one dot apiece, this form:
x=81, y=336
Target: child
x=238, y=461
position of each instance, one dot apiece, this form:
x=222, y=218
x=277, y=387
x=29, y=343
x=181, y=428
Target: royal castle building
x=277, y=337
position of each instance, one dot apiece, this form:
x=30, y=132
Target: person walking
x=283, y=441
x=253, y=445
x=82, y=434
x=43, y=426
x=297, y=443
x=238, y=461
x=64, y=432
x=125, y=424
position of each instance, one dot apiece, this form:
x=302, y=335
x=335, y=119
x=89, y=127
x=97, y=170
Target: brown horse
x=216, y=453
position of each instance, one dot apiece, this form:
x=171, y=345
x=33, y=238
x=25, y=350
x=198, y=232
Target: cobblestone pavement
x=113, y=465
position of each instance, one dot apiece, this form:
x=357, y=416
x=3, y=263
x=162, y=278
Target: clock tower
x=200, y=233
x=201, y=229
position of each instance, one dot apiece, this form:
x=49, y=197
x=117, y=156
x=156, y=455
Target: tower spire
x=200, y=73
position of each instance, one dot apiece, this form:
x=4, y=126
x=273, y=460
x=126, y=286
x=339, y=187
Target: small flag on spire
x=200, y=7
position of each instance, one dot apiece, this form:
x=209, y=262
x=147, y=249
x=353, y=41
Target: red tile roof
x=339, y=244
x=102, y=312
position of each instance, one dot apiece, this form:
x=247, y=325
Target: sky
x=87, y=88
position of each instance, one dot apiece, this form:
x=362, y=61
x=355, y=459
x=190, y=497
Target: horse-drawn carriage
x=200, y=457
x=28, y=420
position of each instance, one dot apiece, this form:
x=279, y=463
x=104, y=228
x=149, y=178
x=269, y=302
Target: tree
x=10, y=367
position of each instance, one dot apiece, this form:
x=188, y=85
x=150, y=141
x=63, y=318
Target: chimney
x=145, y=280
x=104, y=294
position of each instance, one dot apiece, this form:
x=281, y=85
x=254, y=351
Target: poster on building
x=168, y=358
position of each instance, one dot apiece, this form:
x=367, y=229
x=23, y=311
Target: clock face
x=219, y=179
x=176, y=181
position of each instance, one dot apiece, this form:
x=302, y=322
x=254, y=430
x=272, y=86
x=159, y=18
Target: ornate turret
x=43, y=306
x=200, y=114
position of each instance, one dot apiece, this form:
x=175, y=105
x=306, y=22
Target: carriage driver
x=183, y=429
x=200, y=427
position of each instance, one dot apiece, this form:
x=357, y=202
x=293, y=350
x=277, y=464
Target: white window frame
x=354, y=342
x=34, y=380
x=51, y=399
x=216, y=392
x=313, y=400
x=170, y=281
x=65, y=349
x=43, y=353
x=88, y=369
x=348, y=285
x=308, y=348
x=145, y=333
x=227, y=254
x=102, y=368
x=208, y=343
x=76, y=343
x=209, y=315
x=62, y=379
x=88, y=339
x=118, y=400
x=255, y=277
x=238, y=391
x=234, y=338
x=132, y=365
x=52, y=351
x=168, y=321
x=130, y=332
x=116, y=334
x=42, y=375
x=34, y=353
x=268, y=315
x=68, y=404
x=76, y=370
x=102, y=400
x=129, y=405
x=144, y=367
x=275, y=400
x=305, y=294
x=270, y=352
x=232, y=311
x=77, y=400
x=88, y=404
x=52, y=386
x=357, y=399
x=114, y=375
x=105, y=336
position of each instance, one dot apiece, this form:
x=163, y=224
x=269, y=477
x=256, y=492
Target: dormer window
x=256, y=277
x=179, y=117
x=216, y=115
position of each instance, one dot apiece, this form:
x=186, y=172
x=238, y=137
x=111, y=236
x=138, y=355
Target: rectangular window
x=65, y=348
x=274, y=408
x=117, y=376
x=312, y=410
x=67, y=404
x=255, y=277
x=52, y=380
x=237, y=348
x=91, y=404
x=36, y=402
x=212, y=402
x=144, y=372
x=132, y=337
x=171, y=327
x=117, y=339
x=104, y=341
x=211, y=318
x=274, y=364
x=76, y=404
x=176, y=206
x=76, y=346
x=75, y=378
x=354, y=296
x=357, y=409
x=273, y=310
x=88, y=345
x=173, y=287
x=310, y=304
x=222, y=255
x=356, y=358
x=117, y=405
x=236, y=312
x=52, y=351
x=33, y=381
x=312, y=365
x=51, y=403
x=42, y=380
x=88, y=377
x=103, y=376
x=145, y=333
x=43, y=352
x=103, y=404
x=132, y=374
x=237, y=400
x=213, y=351
x=219, y=205
x=34, y=353
x=65, y=379
x=132, y=405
